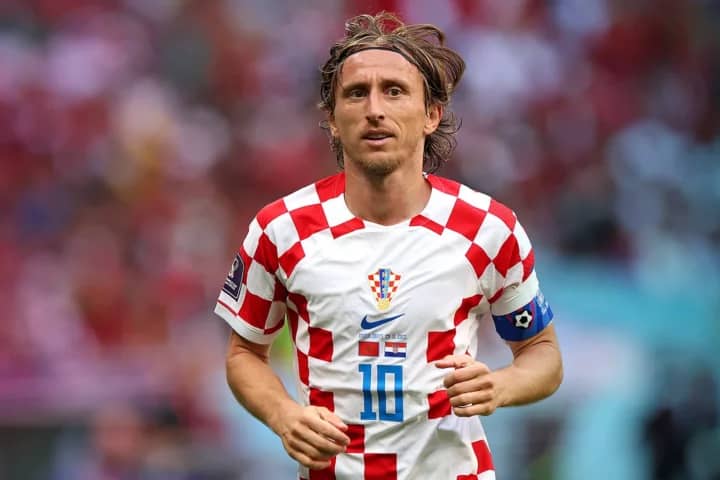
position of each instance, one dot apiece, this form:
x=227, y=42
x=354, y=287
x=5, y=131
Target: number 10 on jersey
x=378, y=383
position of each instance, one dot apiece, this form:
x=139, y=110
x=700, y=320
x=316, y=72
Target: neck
x=386, y=199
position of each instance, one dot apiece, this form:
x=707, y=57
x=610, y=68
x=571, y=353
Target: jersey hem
x=241, y=328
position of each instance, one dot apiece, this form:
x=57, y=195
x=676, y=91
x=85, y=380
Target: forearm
x=536, y=373
x=258, y=388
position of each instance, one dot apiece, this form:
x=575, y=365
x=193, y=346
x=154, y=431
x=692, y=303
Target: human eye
x=394, y=91
x=356, y=93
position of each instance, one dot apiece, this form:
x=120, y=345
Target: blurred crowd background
x=139, y=137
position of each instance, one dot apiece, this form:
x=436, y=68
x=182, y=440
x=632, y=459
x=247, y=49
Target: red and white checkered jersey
x=371, y=307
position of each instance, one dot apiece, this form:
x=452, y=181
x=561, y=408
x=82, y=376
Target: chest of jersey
x=388, y=281
x=382, y=302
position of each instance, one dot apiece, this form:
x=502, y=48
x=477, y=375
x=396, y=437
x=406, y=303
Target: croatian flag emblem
x=395, y=349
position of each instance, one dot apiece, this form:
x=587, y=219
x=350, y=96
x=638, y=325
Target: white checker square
x=524, y=245
x=491, y=281
x=442, y=205
x=259, y=281
x=514, y=274
x=456, y=239
x=335, y=211
x=317, y=242
x=284, y=233
x=348, y=466
x=302, y=340
x=302, y=198
x=476, y=199
x=251, y=240
x=492, y=235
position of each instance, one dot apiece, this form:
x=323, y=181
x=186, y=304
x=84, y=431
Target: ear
x=332, y=125
x=432, y=119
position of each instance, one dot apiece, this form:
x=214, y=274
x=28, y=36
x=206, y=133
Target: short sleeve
x=252, y=299
x=510, y=283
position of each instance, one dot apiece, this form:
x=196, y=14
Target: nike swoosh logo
x=367, y=324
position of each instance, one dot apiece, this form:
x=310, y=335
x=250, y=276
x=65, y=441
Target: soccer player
x=384, y=272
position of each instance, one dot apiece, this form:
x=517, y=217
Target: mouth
x=377, y=137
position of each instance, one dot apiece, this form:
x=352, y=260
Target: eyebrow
x=385, y=82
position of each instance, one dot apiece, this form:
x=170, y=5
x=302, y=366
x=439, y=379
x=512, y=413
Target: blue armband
x=525, y=322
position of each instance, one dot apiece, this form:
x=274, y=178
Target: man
x=384, y=273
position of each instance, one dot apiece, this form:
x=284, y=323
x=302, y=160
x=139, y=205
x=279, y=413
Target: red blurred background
x=138, y=138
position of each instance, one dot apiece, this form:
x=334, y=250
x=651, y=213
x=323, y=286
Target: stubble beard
x=378, y=167
x=373, y=165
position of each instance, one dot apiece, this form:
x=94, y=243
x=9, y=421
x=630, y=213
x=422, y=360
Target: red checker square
x=466, y=305
x=280, y=293
x=369, y=349
x=321, y=343
x=309, y=220
x=478, y=259
x=270, y=213
x=246, y=262
x=439, y=404
x=508, y=256
x=266, y=254
x=380, y=466
x=329, y=187
x=528, y=264
x=326, y=473
x=422, y=221
x=466, y=219
x=440, y=344
x=445, y=185
x=347, y=227
x=503, y=213
x=484, y=458
x=255, y=310
x=357, y=438
x=290, y=259
x=320, y=398
x=301, y=305
x=302, y=366
x=292, y=317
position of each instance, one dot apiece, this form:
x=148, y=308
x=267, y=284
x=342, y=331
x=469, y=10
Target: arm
x=535, y=373
x=310, y=435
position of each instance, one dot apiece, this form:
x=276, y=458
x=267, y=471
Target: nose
x=374, y=108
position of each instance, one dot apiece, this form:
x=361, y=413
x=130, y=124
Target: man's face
x=380, y=115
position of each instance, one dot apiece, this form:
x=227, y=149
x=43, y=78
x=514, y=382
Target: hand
x=472, y=387
x=313, y=435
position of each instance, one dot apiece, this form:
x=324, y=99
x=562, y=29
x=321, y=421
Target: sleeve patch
x=526, y=321
x=233, y=282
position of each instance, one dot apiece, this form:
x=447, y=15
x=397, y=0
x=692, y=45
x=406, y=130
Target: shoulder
x=301, y=202
x=469, y=205
x=496, y=236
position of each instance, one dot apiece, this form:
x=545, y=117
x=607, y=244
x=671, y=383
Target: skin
x=535, y=373
x=311, y=435
x=380, y=92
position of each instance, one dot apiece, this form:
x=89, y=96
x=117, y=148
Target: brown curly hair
x=424, y=46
